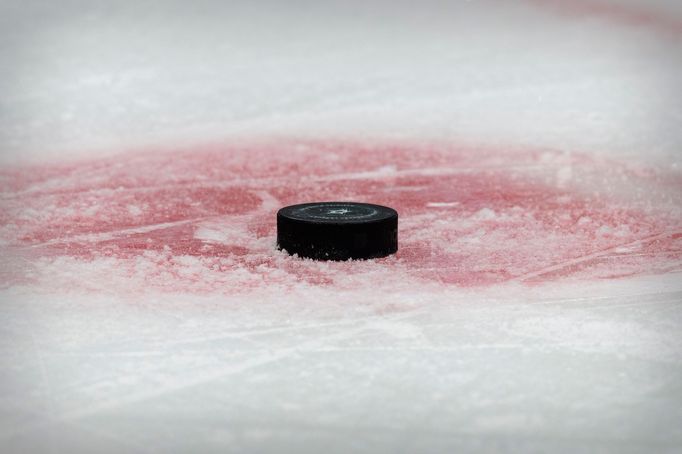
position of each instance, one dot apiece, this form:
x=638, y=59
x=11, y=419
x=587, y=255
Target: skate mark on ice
x=316, y=343
x=613, y=253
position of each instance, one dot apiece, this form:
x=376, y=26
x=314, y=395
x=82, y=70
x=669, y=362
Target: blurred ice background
x=82, y=74
x=563, y=368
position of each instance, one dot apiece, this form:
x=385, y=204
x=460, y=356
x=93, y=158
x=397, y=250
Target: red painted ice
x=203, y=219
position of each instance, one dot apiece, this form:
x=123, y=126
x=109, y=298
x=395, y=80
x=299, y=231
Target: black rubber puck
x=338, y=230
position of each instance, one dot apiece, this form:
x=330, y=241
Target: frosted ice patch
x=485, y=214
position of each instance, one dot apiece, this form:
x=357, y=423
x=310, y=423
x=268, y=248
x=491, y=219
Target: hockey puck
x=337, y=230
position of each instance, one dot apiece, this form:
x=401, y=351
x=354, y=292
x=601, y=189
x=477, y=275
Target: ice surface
x=532, y=149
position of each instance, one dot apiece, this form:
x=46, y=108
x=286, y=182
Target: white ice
x=590, y=367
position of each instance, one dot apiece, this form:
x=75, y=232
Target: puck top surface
x=338, y=230
x=338, y=212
